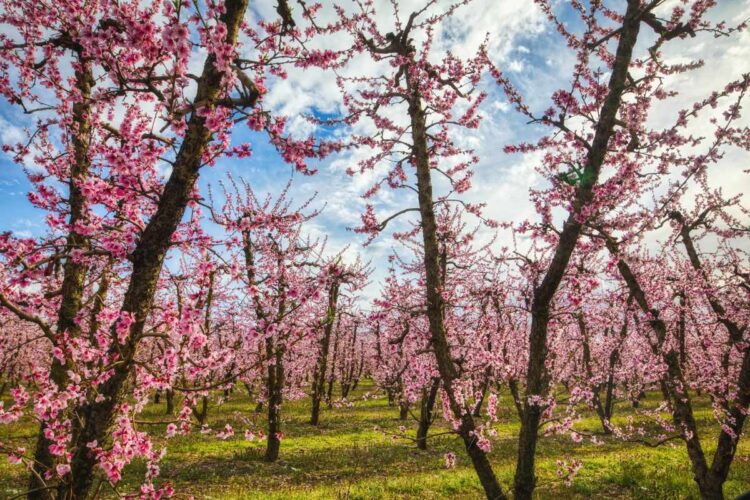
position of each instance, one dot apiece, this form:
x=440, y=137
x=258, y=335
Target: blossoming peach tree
x=121, y=131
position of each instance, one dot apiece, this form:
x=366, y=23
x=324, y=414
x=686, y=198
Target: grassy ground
x=345, y=457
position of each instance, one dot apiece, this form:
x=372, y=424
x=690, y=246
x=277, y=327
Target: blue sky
x=522, y=44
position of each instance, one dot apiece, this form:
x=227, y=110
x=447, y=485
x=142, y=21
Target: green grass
x=345, y=457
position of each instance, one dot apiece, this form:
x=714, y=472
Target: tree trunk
x=74, y=273
x=348, y=367
x=170, y=402
x=147, y=259
x=435, y=304
x=614, y=359
x=332, y=376
x=675, y=391
x=482, y=394
x=202, y=414
x=391, y=395
x=360, y=368
x=319, y=376
x=275, y=387
x=537, y=379
x=595, y=400
x=711, y=488
x=426, y=416
x=516, y=395
x=403, y=409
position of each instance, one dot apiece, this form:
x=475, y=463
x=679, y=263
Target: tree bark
x=710, y=479
x=319, y=376
x=147, y=259
x=537, y=379
x=74, y=272
x=170, y=402
x=332, y=375
x=275, y=388
x=348, y=367
x=426, y=417
x=435, y=304
x=477, y=412
x=403, y=409
x=202, y=414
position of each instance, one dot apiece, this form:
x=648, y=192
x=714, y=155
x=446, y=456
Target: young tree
x=281, y=276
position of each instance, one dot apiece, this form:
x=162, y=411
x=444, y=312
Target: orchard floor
x=346, y=457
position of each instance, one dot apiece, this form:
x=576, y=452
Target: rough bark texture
x=435, y=304
x=275, y=385
x=537, y=383
x=74, y=273
x=97, y=417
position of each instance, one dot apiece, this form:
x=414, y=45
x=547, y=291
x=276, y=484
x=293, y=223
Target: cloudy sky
x=521, y=42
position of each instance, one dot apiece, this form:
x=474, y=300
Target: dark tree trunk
x=609, y=385
x=710, y=479
x=596, y=401
x=275, y=387
x=391, y=394
x=435, y=303
x=319, y=376
x=74, y=273
x=170, y=402
x=516, y=395
x=482, y=394
x=360, y=368
x=332, y=373
x=403, y=409
x=147, y=259
x=426, y=417
x=537, y=380
x=636, y=401
x=202, y=414
x=348, y=366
